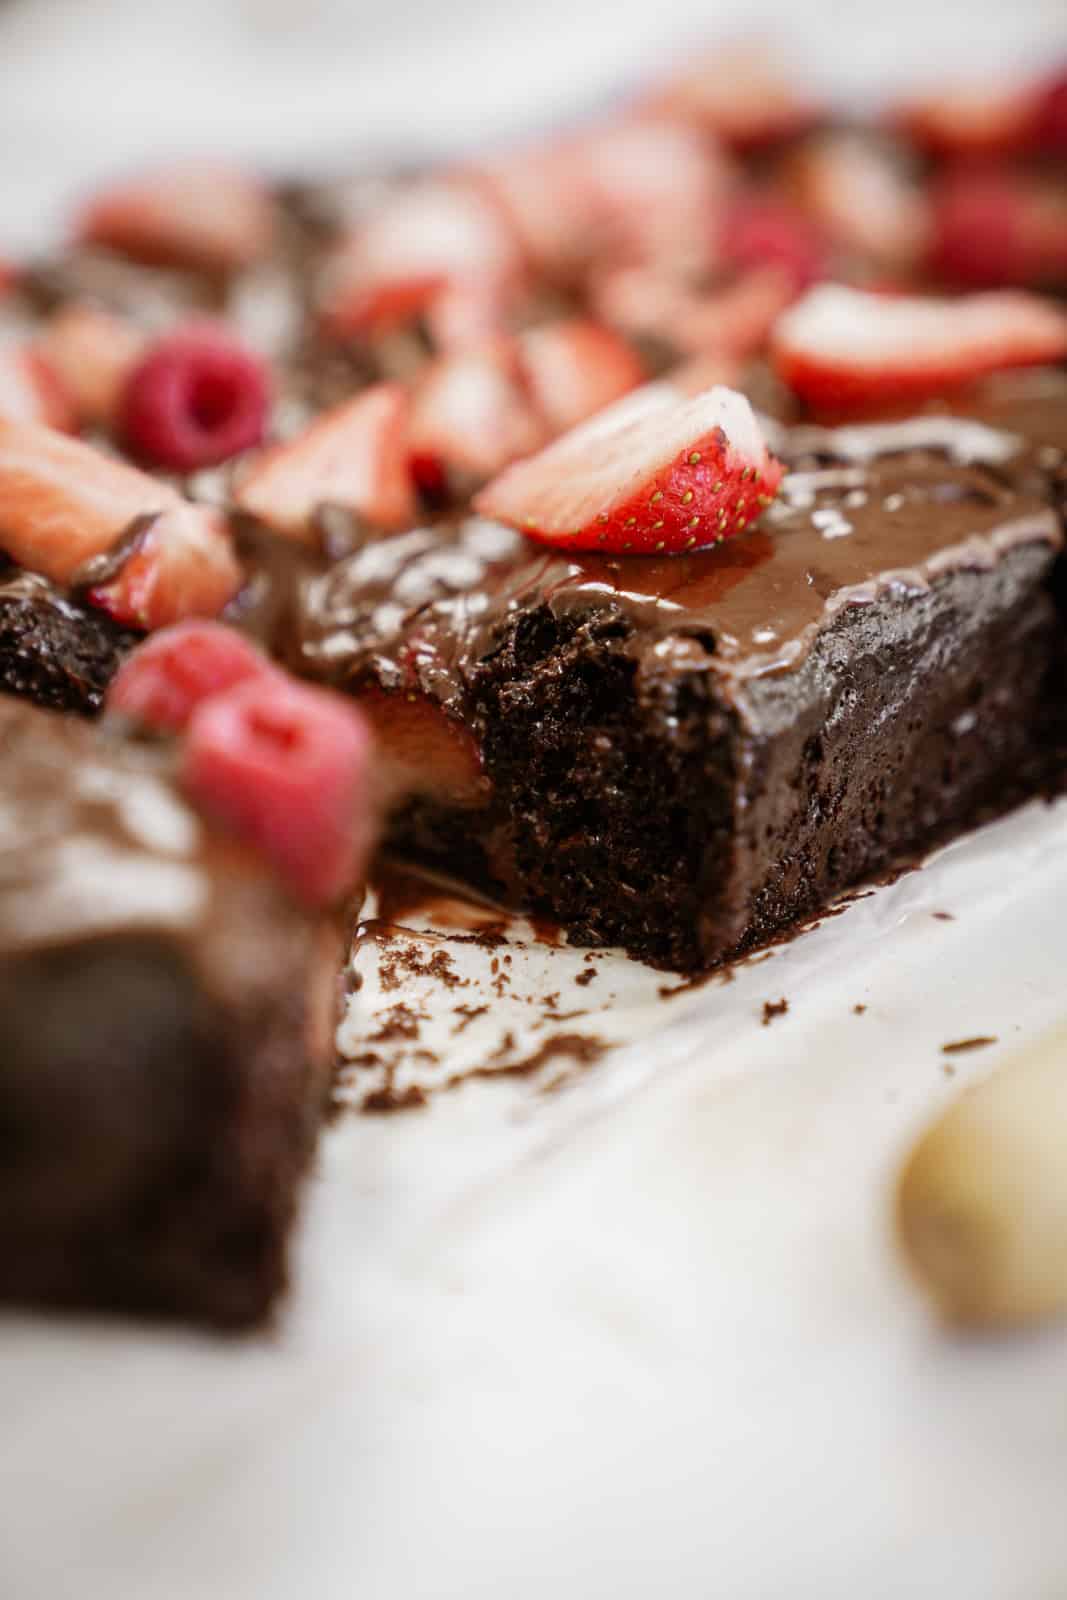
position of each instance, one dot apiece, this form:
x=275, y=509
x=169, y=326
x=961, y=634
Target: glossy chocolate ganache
x=865, y=510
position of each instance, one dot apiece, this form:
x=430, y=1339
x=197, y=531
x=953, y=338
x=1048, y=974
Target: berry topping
x=860, y=194
x=732, y=319
x=93, y=353
x=660, y=477
x=1051, y=115
x=471, y=414
x=209, y=218
x=742, y=93
x=575, y=368
x=845, y=349
x=405, y=252
x=285, y=768
x=196, y=399
x=998, y=228
x=980, y=118
x=162, y=682
x=354, y=456
x=764, y=232
x=66, y=510
x=32, y=390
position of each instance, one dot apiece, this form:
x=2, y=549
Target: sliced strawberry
x=93, y=353
x=860, y=195
x=733, y=319
x=1051, y=115
x=421, y=749
x=652, y=185
x=162, y=682
x=998, y=227
x=287, y=769
x=31, y=390
x=542, y=197
x=844, y=349
x=65, y=507
x=8, y=277
x=468, y=311
x=761, y=231
x=397, y=261
x=672, y=477
x=354, y=456
x=741, y=93
x=994, y=117
x=471, y=414
x=210, y=218
x=575, y=367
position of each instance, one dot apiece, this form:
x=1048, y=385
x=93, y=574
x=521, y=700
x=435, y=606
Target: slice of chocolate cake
x=684, y=755
x=54, y=651
x=165, y=1038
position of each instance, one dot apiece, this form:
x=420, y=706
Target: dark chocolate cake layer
x=683, y=755
x=165, y=1039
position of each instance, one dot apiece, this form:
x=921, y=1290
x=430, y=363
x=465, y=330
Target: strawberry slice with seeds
x=353, y=456
x=161, y=683
x=398, y=260
x=287, y=769
x=93, y=353
x=671, y=477
x=843, y=348
x=471, y=414
x=66, y=508
x=213, y=219
x=576, y=367
x=32, y=390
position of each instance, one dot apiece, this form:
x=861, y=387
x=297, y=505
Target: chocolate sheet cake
x=684, y=755
x=165, y=1038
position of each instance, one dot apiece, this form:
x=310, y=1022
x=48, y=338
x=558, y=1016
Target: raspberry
x=195, y=400
x=762, y=233
x=285, y=768
x=164, y=680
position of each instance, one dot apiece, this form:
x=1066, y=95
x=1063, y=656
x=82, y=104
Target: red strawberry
x=652, y=187
x=734, y=319
x=468, y=311
x=287, y=769
x=92, y=352
x=397, y=261
x=163, y=681
x=196, y=399
x=542, y=198
x=858, y=194
x=576, y=367
x=741, y=93
x=842, y=348
x=1051, y=115
x=63, y=503
x=8, y=277
x=759, y=231
x=31, y=390
x=471, y=413
x=211, y=218
x=994, y=117
x=673, y=477
x=998, y=227
x=354, y=456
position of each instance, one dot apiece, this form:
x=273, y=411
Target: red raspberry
x=196, y=399
x=285, y=767
x=1052, y=115
x=771, y=233
x=164, y=680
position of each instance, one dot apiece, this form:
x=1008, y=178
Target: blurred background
x=94, y=85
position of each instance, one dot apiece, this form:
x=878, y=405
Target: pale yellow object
x=982, y=1200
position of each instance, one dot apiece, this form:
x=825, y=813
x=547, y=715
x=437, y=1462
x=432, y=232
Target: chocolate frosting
x=863, y=512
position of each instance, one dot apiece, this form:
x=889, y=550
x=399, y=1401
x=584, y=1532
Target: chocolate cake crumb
x=387, y=1099
x=583, y=1048
x=958, y=1047
x=586, y=977
x=774, y=1008
x=943, y=916
x=858, y=1010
